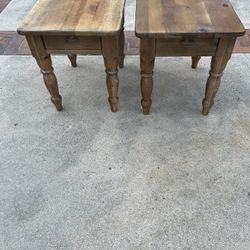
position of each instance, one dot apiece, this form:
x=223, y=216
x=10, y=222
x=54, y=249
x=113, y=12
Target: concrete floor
x=86, y=178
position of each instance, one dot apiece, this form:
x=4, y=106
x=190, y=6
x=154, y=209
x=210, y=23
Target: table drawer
x=186, y=46
x=72, y=43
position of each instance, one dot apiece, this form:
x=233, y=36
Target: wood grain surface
x=76, y=17
x=166, y=18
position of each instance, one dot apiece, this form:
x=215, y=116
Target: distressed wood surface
x=166, y=18
x=77, y=17
x=218, y=65
x=45, y=64
x=77, y=27
x=186, y=28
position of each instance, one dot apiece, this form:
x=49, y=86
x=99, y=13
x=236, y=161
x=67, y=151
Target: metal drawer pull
x=187, y=42
x=72, y=39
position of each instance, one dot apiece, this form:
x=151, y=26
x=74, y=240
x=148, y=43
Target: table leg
x=195, y=61
x=110, y=50
x=72, y=58
x=218, y=64
x=44, y=61
x=147, y=60
x=121, y=49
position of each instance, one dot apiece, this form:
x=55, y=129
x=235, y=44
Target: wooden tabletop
x=80, y=17
x=166, y=18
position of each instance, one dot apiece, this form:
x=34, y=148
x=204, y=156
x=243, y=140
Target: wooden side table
x=88, y=27
x=186, y=28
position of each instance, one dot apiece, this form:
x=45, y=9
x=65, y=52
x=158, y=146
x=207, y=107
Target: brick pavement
x=13, y=44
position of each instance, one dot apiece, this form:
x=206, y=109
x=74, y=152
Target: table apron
x=72, y=43
x=77, y=52
x=186, y=46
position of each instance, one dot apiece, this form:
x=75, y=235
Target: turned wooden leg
x=121, y=49
x=147, y=60
x=195, y=61
x=72, y=58
x=218, y=64
x=110, y=50
x=44, y=61
x=52, y=86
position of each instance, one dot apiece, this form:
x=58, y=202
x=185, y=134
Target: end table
x=186, y=28
x=88, y=27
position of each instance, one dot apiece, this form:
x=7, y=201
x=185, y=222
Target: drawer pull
x=187, y=42
x=72, y=39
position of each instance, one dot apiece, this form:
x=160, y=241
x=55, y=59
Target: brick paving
x=3, y=4
x=13, y=44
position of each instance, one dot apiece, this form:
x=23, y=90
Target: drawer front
x=72, y=43
x=186, y=46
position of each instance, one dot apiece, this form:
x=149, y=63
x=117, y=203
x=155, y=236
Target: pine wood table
x=88, y=27
x=186, y=28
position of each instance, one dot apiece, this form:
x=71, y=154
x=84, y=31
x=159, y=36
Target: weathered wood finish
x=44, y=61
x=186, y=46
x=121, y=49
x=73, y=60
x=186, y=28
x=218, y=64
x=93, y=27
x=147, y=59
x=74, y=17
x=195, y=61
x=72, y=42
x=110, y=48
x=201, y=18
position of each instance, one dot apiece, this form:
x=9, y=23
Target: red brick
x=3, y=4
x=244, y=41
x=237, y=47
x=5, y=38
x=134, y=42
x=13, y=44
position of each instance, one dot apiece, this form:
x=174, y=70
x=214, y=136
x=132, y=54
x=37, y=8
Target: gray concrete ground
x=13, y=14
x=17, y=9
x=86, y=178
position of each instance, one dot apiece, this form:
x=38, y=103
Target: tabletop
x=166, y=18
x=80, y=17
